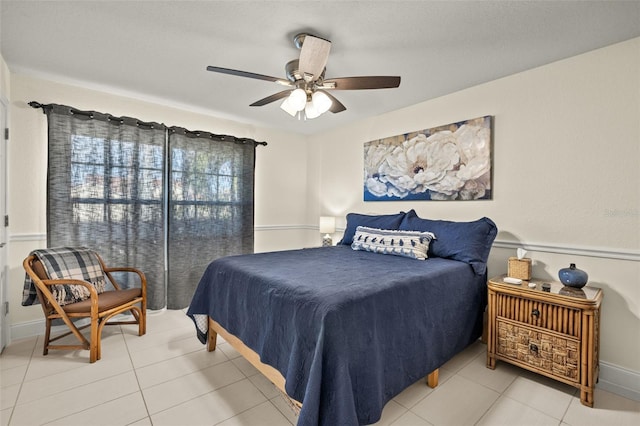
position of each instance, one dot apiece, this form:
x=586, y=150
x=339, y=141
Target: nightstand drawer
x=561, y=319
x=547, y=328
x=550, y=352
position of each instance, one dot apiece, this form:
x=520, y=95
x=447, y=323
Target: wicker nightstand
x=554, y=332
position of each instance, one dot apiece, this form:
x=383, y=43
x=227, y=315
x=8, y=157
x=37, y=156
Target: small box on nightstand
x=519, y=268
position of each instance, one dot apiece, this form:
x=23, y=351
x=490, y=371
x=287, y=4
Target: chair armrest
x=93, y=294
x=143, y=278
x=92, y=290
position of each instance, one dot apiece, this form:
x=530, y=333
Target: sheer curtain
x=210, y=205
x=114, y=186
x=105, y=190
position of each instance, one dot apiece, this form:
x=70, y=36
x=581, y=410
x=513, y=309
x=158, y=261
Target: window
x=210, y=205
x=111, y=187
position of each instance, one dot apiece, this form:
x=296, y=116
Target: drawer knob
x=533, y=348
x=535, y=313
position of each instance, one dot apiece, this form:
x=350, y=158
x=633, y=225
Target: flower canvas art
x=450, y=162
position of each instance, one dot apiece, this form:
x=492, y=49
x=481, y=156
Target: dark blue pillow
x=468, y=242
x=388, y=221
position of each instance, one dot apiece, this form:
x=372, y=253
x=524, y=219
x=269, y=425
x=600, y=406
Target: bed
x=342, y=331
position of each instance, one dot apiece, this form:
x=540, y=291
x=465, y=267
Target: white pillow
x=413, y=244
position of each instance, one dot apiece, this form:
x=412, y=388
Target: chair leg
x=140, y=316
x=47, y=335
x=94, y=342
x=101, y=325
x=142, y=330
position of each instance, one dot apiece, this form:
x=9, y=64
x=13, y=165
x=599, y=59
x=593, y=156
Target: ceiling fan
x=307, y=94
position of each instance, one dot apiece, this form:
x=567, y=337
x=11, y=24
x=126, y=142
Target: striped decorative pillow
x=413, y=244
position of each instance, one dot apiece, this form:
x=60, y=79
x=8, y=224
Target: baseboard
x=612, y=379
x=32, y=328
x=36, y=328
x=26, y=329
x=620, y=381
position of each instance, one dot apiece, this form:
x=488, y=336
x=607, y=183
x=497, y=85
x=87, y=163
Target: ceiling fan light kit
x=304, y=106
x=307, y=97
x=297, y=99
x=310, y=111
x=321, y=101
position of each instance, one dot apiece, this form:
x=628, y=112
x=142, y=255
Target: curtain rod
x=201, y=134
x=121, y=120
x=96, y=115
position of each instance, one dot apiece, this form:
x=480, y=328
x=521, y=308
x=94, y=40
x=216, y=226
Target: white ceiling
x=159, y=50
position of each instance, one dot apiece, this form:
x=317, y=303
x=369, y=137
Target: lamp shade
x=327, y=224
x=286, y=106
x=299, y=104
x=321, y=102
x=298, y=99
x=310, y=111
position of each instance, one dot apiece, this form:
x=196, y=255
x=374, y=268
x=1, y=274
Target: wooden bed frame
x=268, y=371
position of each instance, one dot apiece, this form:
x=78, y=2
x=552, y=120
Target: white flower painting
x=451, y=162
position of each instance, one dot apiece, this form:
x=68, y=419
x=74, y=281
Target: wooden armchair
x=98, y=307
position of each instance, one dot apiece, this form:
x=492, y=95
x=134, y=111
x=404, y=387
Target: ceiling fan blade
x=357, y=83
x=313, y=55
x=336, y=105
x=271, y=98
x=249, y=75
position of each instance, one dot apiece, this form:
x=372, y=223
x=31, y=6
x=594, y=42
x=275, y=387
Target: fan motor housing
x=294, y=75
x=292, y=70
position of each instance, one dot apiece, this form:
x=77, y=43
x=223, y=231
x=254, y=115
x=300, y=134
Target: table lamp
x=327, y=227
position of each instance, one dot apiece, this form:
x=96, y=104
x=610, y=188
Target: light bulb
x=298, y=99
x=311, y=111
x=321, y=102
x=286, y=106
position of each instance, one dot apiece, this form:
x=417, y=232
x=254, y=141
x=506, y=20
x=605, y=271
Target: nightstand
x=552, y=332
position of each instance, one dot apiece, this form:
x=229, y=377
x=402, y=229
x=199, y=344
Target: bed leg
x=211, y=340
x=432, y=379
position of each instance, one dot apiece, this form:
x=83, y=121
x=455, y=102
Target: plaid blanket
x=79, y=263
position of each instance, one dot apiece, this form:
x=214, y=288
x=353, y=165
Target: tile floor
x=168, y=378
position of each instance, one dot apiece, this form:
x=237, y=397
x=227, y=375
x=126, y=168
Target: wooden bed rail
x=268, y=371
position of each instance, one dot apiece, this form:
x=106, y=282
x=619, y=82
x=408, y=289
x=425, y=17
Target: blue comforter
x=347, y=329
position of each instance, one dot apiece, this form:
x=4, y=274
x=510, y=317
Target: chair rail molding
x=602, y=252
x=27, y=237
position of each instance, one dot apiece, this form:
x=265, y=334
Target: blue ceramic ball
x=573, y=277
